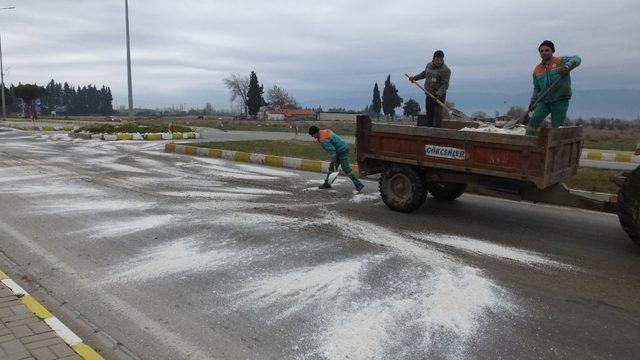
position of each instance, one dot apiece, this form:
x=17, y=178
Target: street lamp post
x=126, y=9
x=4, y=109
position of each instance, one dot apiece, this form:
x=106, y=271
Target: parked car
x=112, y=118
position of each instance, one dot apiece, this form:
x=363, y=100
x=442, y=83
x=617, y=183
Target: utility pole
x=4, y=109
x=126, y=9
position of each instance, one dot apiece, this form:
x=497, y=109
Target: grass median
x=586, y=179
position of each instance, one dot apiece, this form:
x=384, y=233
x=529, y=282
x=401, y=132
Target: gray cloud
x=328, y=53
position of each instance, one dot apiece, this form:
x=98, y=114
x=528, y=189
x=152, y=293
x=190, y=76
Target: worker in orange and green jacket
x=556, y=102
x=338, y=149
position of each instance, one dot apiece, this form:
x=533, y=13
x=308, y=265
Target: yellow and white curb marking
x=147, y=136
x=54, y=323
x=271, y=160
x=626, y=157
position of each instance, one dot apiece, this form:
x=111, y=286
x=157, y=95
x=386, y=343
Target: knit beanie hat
x=549, y=44
x=438, y=53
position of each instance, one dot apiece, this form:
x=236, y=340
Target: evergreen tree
x=254, y=95
x=390, y=98
x=376, y=105
x=411, y=108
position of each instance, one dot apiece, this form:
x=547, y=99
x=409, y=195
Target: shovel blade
x=332, y=177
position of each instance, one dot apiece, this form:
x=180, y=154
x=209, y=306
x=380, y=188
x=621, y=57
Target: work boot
x=359, y=188
x=326, y=185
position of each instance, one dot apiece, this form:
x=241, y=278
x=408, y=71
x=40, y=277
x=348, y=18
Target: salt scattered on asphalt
x=255, y=191
x=304, y=287
x=94, y=205
x=445, y=307
x=123, y=167
x=266, y=170
x=486, y=248
x=184, y=256
x=360, y=198
x=209, y=195
x=115, y=228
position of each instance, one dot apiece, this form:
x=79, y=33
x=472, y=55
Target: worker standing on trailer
x=556, y=102
x=436, y=75
x=338, y=149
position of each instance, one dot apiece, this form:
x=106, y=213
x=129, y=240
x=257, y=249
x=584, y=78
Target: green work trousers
x=343, y=160
x=557, y=109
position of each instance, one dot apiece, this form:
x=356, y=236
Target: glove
x=532, y=105
x=412, y=79
x=564, y=71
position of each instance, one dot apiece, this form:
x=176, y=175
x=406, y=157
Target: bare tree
x=238, y=86
x=278, y=98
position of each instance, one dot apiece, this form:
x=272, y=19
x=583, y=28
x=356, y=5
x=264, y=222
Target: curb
x=68, y=336
x=612, y=157
x=137, y=136
x=261, y=159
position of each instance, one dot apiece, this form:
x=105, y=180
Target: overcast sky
x=327, y=53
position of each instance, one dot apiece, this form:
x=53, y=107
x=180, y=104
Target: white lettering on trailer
x=444, y=152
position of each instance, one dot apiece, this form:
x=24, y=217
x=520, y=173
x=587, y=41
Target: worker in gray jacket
x=436, y=76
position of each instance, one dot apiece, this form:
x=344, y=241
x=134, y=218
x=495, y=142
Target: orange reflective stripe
x=324, y=135
x=554, y=63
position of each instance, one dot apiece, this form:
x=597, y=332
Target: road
x=180, y=257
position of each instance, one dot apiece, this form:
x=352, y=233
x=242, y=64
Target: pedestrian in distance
x=551, y=74
x=338, y=150
x=436, y=75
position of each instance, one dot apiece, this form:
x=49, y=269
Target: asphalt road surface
x=181, y=257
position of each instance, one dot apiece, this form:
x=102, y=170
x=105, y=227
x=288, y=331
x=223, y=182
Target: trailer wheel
x=629, y=206
x=402, y=188
x=446, y=190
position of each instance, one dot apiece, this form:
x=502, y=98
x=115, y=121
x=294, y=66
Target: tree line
x=60, y=97
x=249, y=93
x=389, y=101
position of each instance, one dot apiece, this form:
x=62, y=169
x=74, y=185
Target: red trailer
x=414, y=161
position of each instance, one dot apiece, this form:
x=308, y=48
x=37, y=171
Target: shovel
x=453, y=112
x=331, y=177
x=525, y=117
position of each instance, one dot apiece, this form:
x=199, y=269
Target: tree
x=278, y=98
x=376, y=104
x=254, y=95
x=8, y=98
x=411, y=108
x=239, y=87
x=29, y=93
x=515, y=111
x=390, y=98
x=479, y=115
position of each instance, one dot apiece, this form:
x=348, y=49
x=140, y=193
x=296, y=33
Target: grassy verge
x=594, y=180
x=586, y=179
x=129, y=127
x=624, y=140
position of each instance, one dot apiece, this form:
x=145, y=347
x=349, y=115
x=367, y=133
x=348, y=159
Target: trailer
x=445, y=162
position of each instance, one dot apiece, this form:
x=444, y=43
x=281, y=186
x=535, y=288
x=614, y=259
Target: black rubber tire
x=446, y=191
x=629, y=206
x=402, y=188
